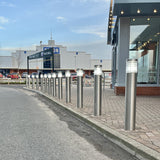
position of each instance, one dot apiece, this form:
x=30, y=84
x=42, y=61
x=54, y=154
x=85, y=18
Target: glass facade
x=144, y=46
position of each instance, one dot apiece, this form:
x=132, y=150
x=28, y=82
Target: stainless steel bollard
x=45, y=83
x=37, y=82
x=68, y=86
x=54, y=91
x=41, y=82
x=130, y=94
x=97, y=91
x=29, y=81
x=80, y=88
x=60, y=89
x=33, y=82
x=49, y=83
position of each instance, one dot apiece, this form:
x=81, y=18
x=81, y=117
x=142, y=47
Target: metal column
x=49, y=84
x=97, y=91
x=130, y=94
x=60, y=89
x=37, y=82
x=45, y=83
x=33, y=82
x=29, y=81
x=41, y=82
x=68, y=86
x=80, y=88
x=68, y=89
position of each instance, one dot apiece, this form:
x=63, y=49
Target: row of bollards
x=48, y=85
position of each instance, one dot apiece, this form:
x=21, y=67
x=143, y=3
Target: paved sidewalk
x=113, y=113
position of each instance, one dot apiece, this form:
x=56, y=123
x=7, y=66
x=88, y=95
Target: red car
x=9, y=76
x=14, y=76
x=1, y=75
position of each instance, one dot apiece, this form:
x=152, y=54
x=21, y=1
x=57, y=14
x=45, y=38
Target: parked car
x=34, y=73
x=14, y=76
x=8, y=75
x=74, y=76
x=87, y=76
x=1, y=75
x=24, y=74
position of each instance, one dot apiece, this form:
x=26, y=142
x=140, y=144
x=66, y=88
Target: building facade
x=63, y=60
x=134, y=33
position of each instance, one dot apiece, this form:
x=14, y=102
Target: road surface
x=32, y=128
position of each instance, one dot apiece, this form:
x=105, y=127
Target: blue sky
x=78, y=24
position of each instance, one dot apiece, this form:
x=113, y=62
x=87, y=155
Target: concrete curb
x=135, y=148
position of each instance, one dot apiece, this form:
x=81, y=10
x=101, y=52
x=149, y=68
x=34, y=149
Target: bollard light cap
x=53, y=75
x=45, y=75
x=37, y=76
x=41, y=75
x=33, y=76
x=60, y=74
x=49, y=75
x=98, y=70
x=80, y=72
x=68, y=74
x=29, y=76
x=131, y=66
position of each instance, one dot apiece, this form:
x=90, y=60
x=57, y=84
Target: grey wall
x=5, y=62
x=106, y=63
x=123, y=49
x=70, y=60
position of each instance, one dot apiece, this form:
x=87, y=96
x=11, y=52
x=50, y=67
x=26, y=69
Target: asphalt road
x=32, y=128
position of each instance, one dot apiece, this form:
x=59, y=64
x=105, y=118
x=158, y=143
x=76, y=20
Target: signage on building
x=56, y=49
x=46, y=52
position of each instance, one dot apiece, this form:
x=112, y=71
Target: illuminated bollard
x=54, y=91
x=60, y=89
x=41, y=82
x=97, y=90
x=45, y=83
x=68, y=86
x=33, y=82
x=37, y=82
x=130, y=94
x=80, y=88
x=49, y=83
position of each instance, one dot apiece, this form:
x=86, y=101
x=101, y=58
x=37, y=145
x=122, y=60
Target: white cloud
x=6, y=4
x=98, y=30
x=61, y=19
x=3, y=20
